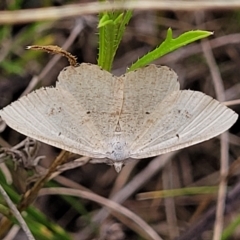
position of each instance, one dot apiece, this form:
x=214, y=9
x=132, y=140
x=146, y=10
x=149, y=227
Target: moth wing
x=144, y=89
x=78, y=115
x=182, y=119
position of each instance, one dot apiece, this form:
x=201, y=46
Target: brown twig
x=31, y=195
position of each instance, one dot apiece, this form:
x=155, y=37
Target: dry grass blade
x=131, y=187
x=218, y=84
x=232, y=103
x=169, y=203
x=54, y=13
x=17, y=214
x=143, y=228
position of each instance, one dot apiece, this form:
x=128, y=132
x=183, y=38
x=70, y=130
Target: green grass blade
x=188, y=191
x=170, y=44
x=230, y=229
x=38, y=223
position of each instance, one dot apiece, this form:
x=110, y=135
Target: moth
x=112, y=119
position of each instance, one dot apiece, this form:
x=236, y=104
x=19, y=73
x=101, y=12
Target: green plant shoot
x=111, y=29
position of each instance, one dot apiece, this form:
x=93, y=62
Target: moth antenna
x=56, y=50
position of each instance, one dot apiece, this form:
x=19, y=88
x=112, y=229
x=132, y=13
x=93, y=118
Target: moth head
x=118, y=166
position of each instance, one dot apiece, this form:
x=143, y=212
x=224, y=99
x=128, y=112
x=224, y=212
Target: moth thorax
x=117, y=149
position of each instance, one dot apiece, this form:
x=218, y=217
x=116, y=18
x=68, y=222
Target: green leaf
x=104, y=21
x=121, y=27
x=170, y=44
x=111, y=29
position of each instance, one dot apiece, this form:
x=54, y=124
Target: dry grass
x=211, y=66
